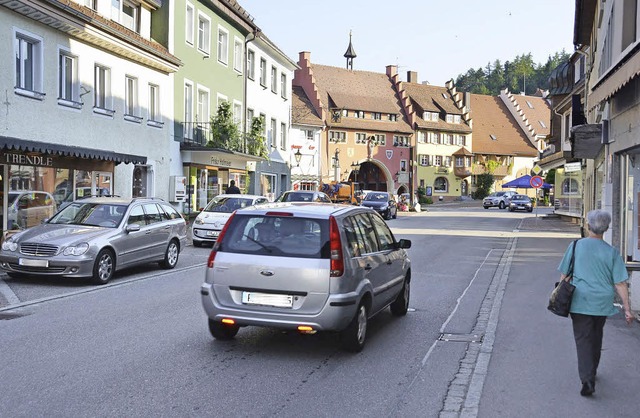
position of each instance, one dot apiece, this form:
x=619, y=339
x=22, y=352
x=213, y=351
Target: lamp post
x=298, y=156
x=355, y=167
x=336, y=166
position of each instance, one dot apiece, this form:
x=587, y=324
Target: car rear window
x=284, y=236
x=298, y=197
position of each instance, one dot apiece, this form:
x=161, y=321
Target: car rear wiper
x=259, y=243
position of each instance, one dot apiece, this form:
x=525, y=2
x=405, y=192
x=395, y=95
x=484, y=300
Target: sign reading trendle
x=536, y=182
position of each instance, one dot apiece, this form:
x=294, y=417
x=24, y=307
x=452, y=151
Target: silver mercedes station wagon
x=307, y=267
x=95, y=237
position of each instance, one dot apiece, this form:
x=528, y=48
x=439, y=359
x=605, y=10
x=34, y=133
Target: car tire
x=501, y=205
x=529, y=210
x=511, y=209
x=486, y=207
x=171, y=255
x=400, y=306
x=354, y=336
x=221, y=331
x=104, y=267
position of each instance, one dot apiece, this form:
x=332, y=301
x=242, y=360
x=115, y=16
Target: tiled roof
x=492, y=118
x=430, y=98
x=302, y=112
x=539, y=111
x=360, y=90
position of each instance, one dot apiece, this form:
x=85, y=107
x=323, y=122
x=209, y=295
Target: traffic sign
x=536, y=182
x=536, y=169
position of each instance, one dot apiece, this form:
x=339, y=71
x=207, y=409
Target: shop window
x=440, y=185
x=570, y=186
x=139, y=181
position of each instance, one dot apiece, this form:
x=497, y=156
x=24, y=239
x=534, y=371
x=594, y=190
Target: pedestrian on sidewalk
x=233, y=189
x=598, y=273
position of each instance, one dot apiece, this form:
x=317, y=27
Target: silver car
x=95, y=237
x=307, y=267
x=212, y=218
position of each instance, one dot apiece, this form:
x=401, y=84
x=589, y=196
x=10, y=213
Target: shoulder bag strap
x=573, y=258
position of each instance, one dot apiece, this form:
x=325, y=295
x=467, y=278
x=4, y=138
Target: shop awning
x=8, y=144
x=616, y=78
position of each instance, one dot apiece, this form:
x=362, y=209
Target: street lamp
x=298, y=156
x=355, y=167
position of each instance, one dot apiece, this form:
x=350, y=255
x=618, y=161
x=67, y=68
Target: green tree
x=256, y=142
x=484, y=183
x=224, y=131
x=495, y=79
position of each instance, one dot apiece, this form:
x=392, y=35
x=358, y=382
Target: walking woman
x=598, y=273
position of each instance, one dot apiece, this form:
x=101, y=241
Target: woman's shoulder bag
x=560, y=299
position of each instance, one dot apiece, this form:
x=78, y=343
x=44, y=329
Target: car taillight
x=335, y=249
x=214, y=250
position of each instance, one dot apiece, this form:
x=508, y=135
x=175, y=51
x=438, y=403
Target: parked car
x=520, y=202
x=304, y=196
x=209, y=223
x=307, y=268
x=382, y=202
x=29, y=208
x=95, y=237
x=498, y=199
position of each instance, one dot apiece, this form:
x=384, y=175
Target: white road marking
x=8, y=294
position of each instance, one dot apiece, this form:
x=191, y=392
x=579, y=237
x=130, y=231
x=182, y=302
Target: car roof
x=310, y=209
x=244, y=196
x=116, y=200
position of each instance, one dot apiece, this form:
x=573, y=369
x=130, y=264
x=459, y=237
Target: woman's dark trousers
x=587, y=331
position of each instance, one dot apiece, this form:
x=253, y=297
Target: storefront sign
x=22, y=159
x=570, y=167
x=220, y=162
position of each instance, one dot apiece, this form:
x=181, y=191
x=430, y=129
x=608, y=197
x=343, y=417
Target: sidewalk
x=533, y=369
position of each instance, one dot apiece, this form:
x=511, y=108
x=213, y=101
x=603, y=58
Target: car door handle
x=148, y=232
x=368, y=267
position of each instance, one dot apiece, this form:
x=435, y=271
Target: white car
x=498, y=199
x=209, y=223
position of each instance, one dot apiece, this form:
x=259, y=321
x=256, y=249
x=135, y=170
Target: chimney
x=392, y=70
x=412, y=76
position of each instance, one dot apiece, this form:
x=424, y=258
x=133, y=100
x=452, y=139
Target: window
x=447, y=161
x=188, y=24
x=422, y=137
x=440, y=185
x=381, y=140
x=423, y=160
x=272, y=134
x=131, y=16
x=607, y=46
x=283, y=86
x=131, y=96
x=437, y=160
x=237, y=55
x=102, y=88
x=457, y=119
x=283, y=136
x=92, y=4
x=154, y=103
x=202, y=112
x=250, y=117
x=403, y=165
x=393, y=117
x=376, y=116
x=358, y=114
x=204, y=33
x=433, y=137
x=274, y=79
x=361, y=138
x=629, y=16
x=188, y=102
x=570, y=186
x=430, y=116
x=237, y=114
x=223, y=46
x=263, y=118
x=335, y=136
x=28, y=53
x=308, y=134
x=263, y=72
x=400, y=141
x=68, y=83
x=459, y=161
x=251, y=64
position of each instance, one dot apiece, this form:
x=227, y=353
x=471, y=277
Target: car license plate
x=268, y=299
x=33, y=263
x=213, y=233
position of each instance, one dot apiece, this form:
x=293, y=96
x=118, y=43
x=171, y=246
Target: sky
x=439, y=39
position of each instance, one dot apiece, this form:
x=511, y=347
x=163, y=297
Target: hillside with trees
x=520, y=74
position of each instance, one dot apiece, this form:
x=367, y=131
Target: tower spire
x=350, y=54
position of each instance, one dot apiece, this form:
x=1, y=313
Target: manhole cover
x=463, y=338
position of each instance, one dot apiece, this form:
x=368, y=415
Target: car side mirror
x=404, y=243
x=132, y=228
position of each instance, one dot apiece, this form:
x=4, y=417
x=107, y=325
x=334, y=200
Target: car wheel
x=501, y=205
x=486, y=207
x=511, y=209
x=171, y=255
x=529, y=210
x=221, y=331
x=354, y=336
x=104, y=267
x=400, y=306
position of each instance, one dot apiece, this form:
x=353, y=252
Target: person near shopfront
x=598, y=273
x=233, y=189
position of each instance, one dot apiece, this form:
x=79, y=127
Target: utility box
x=177, y=189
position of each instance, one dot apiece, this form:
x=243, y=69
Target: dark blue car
x=381, y=202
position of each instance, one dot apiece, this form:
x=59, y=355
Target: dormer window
x=453, y=119
x=358, y=114
x=393, y=117
x=127, y=13
x=376, y=116
x=430, y=116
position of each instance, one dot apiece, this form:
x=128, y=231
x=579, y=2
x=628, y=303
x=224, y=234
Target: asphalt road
x=140, y=346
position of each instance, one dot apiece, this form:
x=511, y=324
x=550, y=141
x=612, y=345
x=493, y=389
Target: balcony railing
x=462, y=171
x=500, y=171
x=201, y=134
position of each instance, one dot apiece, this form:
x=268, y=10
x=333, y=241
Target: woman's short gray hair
x=598, y=221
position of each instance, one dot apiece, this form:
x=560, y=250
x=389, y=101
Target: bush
x=425, y=200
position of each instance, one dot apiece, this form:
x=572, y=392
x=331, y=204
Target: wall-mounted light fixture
x=298, y=156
